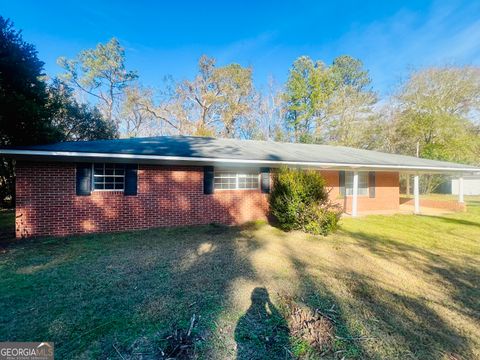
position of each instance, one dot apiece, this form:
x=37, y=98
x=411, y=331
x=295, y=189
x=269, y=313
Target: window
x=362, y=183
x=236, y=180
x=108, y=177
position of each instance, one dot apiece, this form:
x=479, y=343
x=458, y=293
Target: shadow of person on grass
x=262, y=333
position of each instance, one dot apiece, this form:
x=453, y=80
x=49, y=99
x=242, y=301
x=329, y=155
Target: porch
x=408, y=199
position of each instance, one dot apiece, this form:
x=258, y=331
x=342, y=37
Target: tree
x=307, y=90
x=101, y=74
x=349, y=115
x=434, y=109
x=349, y=71
x=143, y=117
x=24, y=115
x=33, y=112
x=74, y=121
x=331, y=104
x=216, y=100
x=265, y=121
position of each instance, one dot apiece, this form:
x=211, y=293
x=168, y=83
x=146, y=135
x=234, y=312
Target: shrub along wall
x=300, y=201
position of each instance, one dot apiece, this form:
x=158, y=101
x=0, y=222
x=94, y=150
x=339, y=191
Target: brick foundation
x=167, y=196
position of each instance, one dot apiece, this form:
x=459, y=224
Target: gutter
x=204, y=160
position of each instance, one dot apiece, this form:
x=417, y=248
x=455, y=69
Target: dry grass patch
x=383, y=287
x=314, y=327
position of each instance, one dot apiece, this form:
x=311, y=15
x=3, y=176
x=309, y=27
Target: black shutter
x=265, y=180
x=371, y=184
x=208, y=174
x=341, y=185
x=84, y=179
x=131, y=175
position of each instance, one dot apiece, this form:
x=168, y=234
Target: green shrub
x=299, y=201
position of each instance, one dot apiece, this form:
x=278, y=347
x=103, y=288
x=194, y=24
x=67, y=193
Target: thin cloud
x=238, y=49
x=446, y=34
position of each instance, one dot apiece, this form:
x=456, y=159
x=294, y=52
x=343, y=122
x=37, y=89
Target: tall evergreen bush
x=299, y=201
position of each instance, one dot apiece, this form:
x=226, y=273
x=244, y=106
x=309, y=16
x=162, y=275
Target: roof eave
x=41, y=155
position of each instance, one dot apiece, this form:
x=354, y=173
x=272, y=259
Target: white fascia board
x=184, y=159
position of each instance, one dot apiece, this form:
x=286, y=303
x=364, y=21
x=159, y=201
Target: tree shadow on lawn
x=424, y=332
x=123, y=291
x=375, y=322
x=460, y=277
x=127, y=292
x=99, y=295
x=407, y=321
x=316, y=295
x=308, y=293
x=452, y=220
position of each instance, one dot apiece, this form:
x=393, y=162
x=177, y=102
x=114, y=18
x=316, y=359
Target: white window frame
x=362, y=180
x=109, y=176
x=236, y=174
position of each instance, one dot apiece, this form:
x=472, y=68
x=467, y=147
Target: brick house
x=117, y=185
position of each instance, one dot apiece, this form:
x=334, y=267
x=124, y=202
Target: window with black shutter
x=108, y=177
x=236, y=179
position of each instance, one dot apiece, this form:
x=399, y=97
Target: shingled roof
x=207, y=150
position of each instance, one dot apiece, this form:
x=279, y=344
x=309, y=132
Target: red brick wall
x=167, y=196
x=387, y=194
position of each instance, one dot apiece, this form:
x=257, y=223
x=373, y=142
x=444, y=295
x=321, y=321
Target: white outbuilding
x=471, y=185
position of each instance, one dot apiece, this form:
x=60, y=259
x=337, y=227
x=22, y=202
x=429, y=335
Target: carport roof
x=214, y=151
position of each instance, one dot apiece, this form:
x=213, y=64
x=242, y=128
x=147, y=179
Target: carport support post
x=355, y=194
x=408, y=184
x=460, y=190
x=416, y=193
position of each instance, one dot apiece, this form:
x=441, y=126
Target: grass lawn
x=391, y=287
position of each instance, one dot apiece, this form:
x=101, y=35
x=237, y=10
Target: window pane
x=225, y=180
x=98, y=170
x=249, y=182
x=362, y=191
x=109, y=177
x=236, y=180
x=362, y=183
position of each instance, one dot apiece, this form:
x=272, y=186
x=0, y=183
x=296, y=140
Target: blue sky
x=167, y=38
